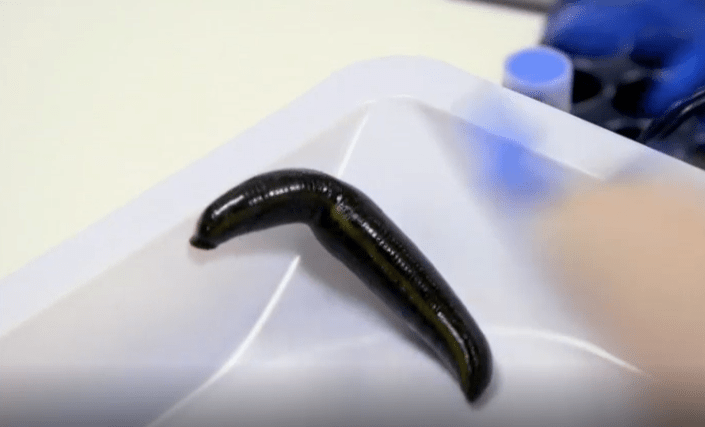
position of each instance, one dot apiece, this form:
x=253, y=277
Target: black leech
x=356, y=231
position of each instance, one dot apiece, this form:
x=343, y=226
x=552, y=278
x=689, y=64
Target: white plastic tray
x=128, y=325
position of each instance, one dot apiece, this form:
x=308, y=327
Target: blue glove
x=669, y=31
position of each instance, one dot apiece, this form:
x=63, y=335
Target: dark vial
x=585, y=86
x=630, y=97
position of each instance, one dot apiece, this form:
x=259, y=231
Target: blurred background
x=99, y=101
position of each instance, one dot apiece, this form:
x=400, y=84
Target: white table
x=99, y=101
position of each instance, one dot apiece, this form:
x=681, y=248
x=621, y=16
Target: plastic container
x=127, y=325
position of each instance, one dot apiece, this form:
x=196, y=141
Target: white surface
x=99, y=101
x=270, y=329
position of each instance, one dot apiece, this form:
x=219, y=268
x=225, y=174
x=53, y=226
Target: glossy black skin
x=356, y=231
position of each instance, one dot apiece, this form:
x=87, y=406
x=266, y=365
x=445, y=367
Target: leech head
x=198, y=241
x=203, y=237
x=224, y=219
x=265, y=201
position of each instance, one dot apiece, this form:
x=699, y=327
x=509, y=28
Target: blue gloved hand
x=669, y=33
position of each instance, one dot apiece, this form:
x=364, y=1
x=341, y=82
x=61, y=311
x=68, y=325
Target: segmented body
x=356, y=231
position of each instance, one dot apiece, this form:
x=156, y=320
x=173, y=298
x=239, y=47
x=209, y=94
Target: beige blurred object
x=630, y=257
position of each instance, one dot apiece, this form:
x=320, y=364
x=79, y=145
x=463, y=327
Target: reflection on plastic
x=508, y=170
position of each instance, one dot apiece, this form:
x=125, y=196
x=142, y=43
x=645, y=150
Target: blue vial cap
x=542, y=73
